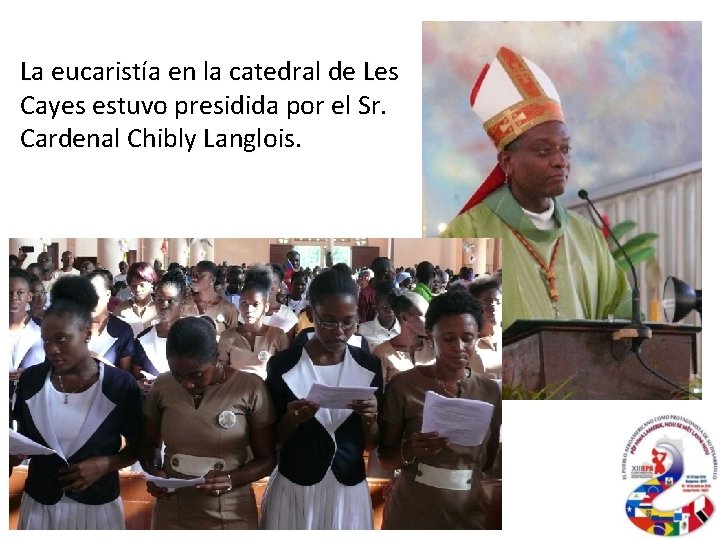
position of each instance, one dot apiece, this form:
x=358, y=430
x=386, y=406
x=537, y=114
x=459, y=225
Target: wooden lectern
x=546, y=353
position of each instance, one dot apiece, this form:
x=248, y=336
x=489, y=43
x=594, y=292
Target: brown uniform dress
x=412, y=505
x=394, y=361
x=236, y=351
x=224, y=314
x=197, y=432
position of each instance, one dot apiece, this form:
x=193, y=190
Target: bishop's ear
x=505, y=160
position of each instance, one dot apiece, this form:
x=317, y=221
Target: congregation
x=199, y=376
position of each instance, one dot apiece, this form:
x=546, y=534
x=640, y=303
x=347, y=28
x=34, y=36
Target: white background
x=354, y=176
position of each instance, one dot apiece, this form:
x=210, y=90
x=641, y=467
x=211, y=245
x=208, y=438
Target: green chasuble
x=590, y=283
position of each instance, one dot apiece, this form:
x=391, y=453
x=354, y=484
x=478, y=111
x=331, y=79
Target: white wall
x=670, y=207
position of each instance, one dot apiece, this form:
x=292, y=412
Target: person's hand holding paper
x=461, y=421
x=161, y=486
x=339, y=397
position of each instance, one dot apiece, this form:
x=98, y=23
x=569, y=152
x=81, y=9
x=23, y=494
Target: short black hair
x=278, y=271
x=119, y=286
x=384, y=288
x=456, y=285
x=193, y=337
x=454, y=302
x=16, y=272
x=466, y=273
x=401, y=301
x=233, y=269
x=479, y=286
x=512, y=145
x=34, y=279
x=105, y=275
x=425, y=272
x=207, y=266
x=335, y=280
x=380, y=265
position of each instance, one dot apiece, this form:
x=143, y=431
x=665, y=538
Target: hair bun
x=76, y=289
x=260, y=276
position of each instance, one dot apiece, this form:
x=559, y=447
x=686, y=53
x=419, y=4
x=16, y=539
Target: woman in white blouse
x=149, y=359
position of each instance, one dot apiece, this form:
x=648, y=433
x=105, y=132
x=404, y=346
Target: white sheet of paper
x=174, y=483
x=20, y=445
x=338, y=397
x=148, y=376
x=462, y=421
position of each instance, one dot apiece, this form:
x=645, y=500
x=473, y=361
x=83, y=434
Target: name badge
x=226, y=419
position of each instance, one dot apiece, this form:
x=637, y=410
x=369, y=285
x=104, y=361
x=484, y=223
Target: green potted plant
x=639, y=248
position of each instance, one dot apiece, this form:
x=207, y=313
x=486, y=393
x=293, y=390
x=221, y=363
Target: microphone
x=639, y=330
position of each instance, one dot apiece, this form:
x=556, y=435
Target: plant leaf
x=623, y=228
x=636, y=257
x=554, y=389
x=641, y=240
x=634, y=244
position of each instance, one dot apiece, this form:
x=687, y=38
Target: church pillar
x=110, y=251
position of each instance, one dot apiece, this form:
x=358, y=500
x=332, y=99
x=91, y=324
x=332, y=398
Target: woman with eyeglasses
x=206, y=300
x=320, y=480
x=150, y=359
x=38, y=297
x=208, y=415
x=250, y=344
x=139, y=312
x=440, y=485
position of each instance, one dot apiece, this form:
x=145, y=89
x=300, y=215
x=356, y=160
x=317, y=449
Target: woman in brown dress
x=278, y=314
x=410, y=348
x=489, y=347
x=207, y=414
x=440, y=483
x=206, y=300
x=249, y=345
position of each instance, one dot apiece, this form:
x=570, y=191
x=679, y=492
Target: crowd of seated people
x=203, y=373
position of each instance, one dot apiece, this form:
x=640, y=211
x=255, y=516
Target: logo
x=675, y=462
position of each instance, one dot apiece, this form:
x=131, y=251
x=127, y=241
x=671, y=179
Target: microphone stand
x=636, y=330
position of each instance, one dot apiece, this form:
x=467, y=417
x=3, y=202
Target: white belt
x=459, y=480
x=195, y=465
